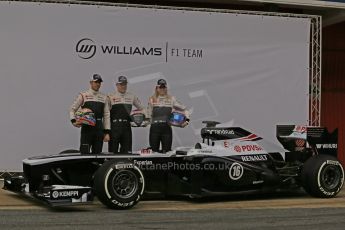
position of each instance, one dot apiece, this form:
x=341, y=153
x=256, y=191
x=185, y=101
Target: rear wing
x=303, y=138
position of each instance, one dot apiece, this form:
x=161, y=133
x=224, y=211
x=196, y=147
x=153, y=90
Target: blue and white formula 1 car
x=229, y=160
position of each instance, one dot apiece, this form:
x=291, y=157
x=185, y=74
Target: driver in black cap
x=92, y=137
x=160, y=107
x=120, y=104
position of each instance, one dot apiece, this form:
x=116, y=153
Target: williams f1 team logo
x=86, y=48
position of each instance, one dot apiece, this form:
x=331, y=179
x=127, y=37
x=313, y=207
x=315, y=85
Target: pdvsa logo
x=86, y=48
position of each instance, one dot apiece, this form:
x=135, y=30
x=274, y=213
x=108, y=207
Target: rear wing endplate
x=301, y=138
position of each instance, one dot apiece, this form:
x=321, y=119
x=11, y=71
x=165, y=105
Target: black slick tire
x=322, y=176
x=119, y=184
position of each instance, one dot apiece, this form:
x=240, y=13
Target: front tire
x=119, y=185
x=323, y=176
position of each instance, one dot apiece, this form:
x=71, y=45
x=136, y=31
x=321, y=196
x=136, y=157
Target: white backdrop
x=244, y=70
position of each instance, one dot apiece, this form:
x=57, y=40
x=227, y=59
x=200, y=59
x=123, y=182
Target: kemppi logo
x=86, y=48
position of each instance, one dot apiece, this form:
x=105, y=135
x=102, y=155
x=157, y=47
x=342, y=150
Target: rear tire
x=322, y=176
x=119, y=184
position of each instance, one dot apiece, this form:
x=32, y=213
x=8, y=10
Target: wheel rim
x=125, y=184
x=330, y=177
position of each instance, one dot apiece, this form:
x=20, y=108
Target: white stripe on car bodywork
x=217, y=149
x=57, y=187
x=55, y=158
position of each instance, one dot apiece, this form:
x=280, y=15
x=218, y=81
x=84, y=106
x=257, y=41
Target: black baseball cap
x=96, y=77
x=162, y=83
x=122, y=80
